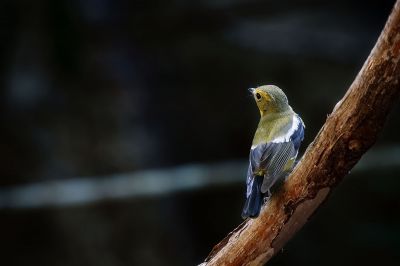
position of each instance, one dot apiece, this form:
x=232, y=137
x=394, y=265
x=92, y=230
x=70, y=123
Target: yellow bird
x=275, y=146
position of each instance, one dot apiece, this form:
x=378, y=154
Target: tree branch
x=347, y=134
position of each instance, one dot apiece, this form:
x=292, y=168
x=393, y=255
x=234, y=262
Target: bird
x=274, y=148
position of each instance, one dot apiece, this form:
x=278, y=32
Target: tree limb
x=347, y=134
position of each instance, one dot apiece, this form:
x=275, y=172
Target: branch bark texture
x=350, y=130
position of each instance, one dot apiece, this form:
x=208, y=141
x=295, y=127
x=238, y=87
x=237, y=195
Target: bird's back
x=265, y=132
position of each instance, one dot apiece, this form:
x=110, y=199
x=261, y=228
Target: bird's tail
x=254, y=200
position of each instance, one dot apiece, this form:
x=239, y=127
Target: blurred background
x=126, y=126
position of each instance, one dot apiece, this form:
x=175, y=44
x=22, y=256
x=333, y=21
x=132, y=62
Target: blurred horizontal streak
x=148, y=183
x=153, y=183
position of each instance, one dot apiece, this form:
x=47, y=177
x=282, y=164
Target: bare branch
x=347, y=134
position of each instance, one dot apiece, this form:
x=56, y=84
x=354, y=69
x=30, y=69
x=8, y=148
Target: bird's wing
x=258, y=158
x=298, y=135
x=277, y=162
x=270, y=159
x=281, y=161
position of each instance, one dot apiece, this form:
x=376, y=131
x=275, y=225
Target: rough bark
x=347, y=134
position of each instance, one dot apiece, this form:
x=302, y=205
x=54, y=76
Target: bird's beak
x=251, y=90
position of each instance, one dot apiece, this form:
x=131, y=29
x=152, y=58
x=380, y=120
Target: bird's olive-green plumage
x=275, y=146
x=276, y=114
x=270, y=127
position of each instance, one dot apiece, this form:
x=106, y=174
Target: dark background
x=97, y=88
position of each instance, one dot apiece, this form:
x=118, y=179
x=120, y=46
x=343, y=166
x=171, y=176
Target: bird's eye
x=258, y=96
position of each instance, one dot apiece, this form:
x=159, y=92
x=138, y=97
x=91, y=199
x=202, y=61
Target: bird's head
x=270, y=99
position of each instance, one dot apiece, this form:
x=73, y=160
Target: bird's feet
x=267, y=196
